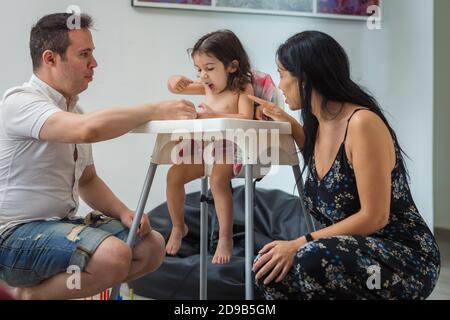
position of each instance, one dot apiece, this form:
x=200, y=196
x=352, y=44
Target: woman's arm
x=181, y=85
x=297, y=131
x=371, y=152
x=277, y=114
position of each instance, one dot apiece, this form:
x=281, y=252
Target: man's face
x=76, y=69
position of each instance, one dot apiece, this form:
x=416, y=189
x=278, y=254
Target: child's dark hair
x=226, y=47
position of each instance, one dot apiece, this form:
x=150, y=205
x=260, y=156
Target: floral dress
x=401, y=261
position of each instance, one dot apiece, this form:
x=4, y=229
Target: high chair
x=249, y=136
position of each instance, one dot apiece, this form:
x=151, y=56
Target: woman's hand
x=127, y=220
x=177, y=83
x=277, y=258
x=269, y=110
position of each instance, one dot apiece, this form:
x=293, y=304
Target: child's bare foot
x=224, y=251
x=174, y=242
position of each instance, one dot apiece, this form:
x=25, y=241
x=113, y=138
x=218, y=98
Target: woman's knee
x=309, y=257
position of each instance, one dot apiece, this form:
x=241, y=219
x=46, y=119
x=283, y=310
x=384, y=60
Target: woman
x=375, y=244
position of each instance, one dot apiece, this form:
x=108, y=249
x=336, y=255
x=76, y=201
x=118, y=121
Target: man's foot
x=224, y=251
x=174, y=242
x=22, y=293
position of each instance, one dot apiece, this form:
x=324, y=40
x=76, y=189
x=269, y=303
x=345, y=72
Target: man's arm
x=67, y=127
x=98, y=196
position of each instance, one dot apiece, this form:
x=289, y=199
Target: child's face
x=212, y=72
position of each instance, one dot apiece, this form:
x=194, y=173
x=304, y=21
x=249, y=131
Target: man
x=46, y=164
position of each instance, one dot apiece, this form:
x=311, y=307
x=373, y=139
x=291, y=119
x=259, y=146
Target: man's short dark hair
x=51, y=32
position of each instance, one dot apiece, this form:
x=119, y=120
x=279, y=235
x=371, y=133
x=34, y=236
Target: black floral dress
x=401, y=261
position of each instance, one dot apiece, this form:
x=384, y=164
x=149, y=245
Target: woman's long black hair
x=318, y=61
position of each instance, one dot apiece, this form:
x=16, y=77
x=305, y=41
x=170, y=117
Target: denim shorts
x=38, y=250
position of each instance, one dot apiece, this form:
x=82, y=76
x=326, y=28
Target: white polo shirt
x=38, y=179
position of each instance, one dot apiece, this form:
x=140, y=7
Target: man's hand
x=177, y=83
x=173, y=110
x=268, y=110
x=127, y=220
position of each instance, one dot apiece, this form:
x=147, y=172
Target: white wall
x=138, y=48
x=441, y=168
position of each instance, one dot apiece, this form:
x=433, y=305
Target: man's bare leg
x=108, y=266
x=148, y=255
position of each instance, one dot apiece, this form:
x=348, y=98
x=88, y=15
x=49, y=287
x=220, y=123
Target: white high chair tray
x=211, y=125
x=161, y=155
x=167, y=130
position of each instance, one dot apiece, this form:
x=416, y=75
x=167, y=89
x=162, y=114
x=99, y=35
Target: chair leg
x=137, y=218
x=249, y=231
x=203, y=238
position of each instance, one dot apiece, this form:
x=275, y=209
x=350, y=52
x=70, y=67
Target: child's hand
x=205, y=112
x=177, y=84
x=268, y=109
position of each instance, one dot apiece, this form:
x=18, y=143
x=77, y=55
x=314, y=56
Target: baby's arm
x=245, y=105
x=181, y=85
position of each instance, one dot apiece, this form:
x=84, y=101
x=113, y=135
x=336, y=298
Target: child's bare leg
x=223, y=201
x=177, y=177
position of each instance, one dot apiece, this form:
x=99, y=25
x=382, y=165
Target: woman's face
x=289, y=86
